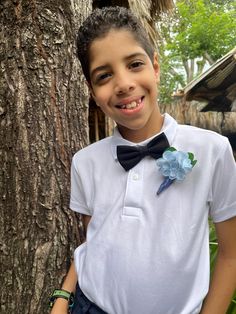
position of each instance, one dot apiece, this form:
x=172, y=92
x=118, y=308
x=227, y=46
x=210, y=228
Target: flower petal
x=174, y=165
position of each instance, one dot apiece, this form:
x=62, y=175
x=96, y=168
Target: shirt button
x=135, y=177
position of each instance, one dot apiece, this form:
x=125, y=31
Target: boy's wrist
x=62, y=296
x=63, y=303
x=60, y=307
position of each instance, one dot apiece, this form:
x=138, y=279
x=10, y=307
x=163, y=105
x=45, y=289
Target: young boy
x=146, y=252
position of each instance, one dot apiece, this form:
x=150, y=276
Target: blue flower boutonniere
x=174, y=165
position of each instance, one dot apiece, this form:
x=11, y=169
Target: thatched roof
x=149, y=12
x=151, y=8
x=217, y=85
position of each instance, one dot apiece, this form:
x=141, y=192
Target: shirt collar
x=169, y=128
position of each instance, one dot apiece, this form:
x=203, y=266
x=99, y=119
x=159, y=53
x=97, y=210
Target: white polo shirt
x=149, y=254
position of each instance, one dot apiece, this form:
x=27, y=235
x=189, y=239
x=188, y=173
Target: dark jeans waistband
x=83, y=305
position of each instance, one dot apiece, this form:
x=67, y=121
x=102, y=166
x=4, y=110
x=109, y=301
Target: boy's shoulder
x=202, y=138
x=200, y=132
x=97, y=149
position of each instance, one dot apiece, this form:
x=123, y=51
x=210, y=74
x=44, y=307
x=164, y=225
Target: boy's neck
x=137, y=136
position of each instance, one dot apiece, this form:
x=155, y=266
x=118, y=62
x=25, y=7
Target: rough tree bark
x=43, y=121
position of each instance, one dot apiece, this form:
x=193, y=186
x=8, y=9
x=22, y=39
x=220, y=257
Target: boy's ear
x=156, y=67
x=91, y=91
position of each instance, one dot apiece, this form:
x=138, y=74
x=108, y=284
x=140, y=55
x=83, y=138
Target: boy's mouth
x=131, y=105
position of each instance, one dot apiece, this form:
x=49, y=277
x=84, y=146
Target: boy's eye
x=136, y=64
x=101, y=77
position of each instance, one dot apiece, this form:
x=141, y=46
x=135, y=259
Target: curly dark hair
x=100, y=22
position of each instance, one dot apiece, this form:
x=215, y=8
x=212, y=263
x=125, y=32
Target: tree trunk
x=209, y=58
x=43, y=119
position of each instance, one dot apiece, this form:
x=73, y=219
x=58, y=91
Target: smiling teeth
x=131, y=105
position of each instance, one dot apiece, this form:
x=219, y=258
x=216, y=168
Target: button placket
x=135, y=176
x=134, y=190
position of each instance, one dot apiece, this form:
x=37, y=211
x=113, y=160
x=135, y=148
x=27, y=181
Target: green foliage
x=170, y=79
x=204, y=28
x=197, y=33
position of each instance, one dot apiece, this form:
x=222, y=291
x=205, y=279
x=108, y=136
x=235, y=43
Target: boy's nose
x=124, y=84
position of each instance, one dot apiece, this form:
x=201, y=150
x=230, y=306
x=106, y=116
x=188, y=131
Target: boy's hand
x=60, y=306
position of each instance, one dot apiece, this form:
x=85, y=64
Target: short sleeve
x=223, y=193
x=78, y=197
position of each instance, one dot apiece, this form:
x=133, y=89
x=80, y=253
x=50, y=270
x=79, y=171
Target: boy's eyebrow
x=106, y=66
x=136, y=54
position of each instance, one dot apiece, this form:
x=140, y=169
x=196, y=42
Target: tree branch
x=208, y=58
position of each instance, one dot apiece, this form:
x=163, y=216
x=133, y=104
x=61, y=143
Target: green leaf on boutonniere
x=191, y=157
x=171, y=149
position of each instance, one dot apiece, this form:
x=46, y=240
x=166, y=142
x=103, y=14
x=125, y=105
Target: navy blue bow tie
x=129, y=156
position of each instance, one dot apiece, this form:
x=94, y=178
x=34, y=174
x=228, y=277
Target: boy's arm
x=223, y=283
x=86, y=220
x=61, y=305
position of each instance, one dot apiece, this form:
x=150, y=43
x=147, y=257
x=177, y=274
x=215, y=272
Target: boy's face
x=124, y=84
